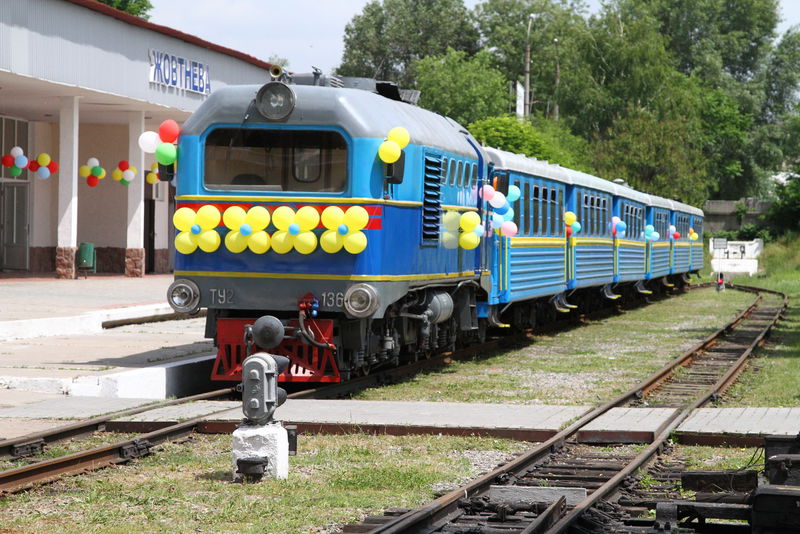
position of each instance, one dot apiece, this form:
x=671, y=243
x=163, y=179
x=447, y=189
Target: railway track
x=500, y=501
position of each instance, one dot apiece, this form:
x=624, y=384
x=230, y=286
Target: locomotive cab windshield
x=264, y=159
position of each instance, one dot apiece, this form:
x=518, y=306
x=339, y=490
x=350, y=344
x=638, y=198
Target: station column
x=67, y=188
x=134, y=248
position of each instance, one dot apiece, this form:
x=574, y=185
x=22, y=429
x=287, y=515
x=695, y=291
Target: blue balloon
x=509, y=215
x=497, y=220
x=513, y=193
x=21, y=162
x=649, y=229
x=502, y=209
x=621, y=227
x=576, y=227
x=43, y=173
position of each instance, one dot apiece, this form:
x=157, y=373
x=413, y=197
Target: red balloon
x=34, y=165
x=168, y=131
x=53, y=166
x=8, y=160
x=123, y=165
x=614, y=231
x=569, y=231
x=676, y=235
x=92, y=180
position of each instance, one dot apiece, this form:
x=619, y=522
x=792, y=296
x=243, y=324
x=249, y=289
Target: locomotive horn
x=275, y=71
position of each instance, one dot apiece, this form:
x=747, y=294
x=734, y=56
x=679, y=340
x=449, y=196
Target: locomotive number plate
x=331, y=299
x=221, y=296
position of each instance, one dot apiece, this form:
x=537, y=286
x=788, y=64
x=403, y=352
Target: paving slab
x=743, y=426
x=626, y=425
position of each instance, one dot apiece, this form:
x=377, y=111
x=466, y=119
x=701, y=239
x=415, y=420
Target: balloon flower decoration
x=572, y=223
x=246, y=229
x=392, y=147
x=502, y=212
x=153, y=176
x=674, y=234
x=124, y=173
x=197, y=229
x=295, y=229
x=16, y=161
x=693, y=236
x=161, y=143
x=469, y=225
x=650, y=233
x=344, y=229
x=618, y=227
x=92, y=171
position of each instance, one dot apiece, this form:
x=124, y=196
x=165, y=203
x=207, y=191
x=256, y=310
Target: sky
x=306, y=32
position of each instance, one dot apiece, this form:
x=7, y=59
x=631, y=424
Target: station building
x=81, y=80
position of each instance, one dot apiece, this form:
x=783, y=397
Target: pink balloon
x=487, y=192
x=508, y=229
x=614, y=221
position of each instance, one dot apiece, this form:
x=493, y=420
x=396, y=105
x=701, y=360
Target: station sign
x=179, y=72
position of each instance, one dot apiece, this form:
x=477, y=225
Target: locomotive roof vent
x=275, y=101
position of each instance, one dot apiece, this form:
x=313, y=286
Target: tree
x=465, y=89
x=540, y=139
x=390, y=36
x=138, y=8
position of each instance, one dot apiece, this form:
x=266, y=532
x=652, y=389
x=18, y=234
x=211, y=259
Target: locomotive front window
x=275, y=160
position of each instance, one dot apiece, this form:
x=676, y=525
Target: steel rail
x=437, y=510
x=30, y=444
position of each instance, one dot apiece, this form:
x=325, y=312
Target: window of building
x=13, y=133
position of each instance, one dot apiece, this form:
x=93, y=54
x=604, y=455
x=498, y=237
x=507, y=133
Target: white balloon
x=498, y=200
x=128, y=175
x=93, y=162
x=149, y=141
x=16, y=152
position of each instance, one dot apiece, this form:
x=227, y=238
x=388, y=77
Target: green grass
x=774, y=376
x=699, y=458
x=186, y=487
x=582, y=365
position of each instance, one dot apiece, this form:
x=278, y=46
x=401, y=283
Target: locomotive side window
x=275, y=160
x=459, y=177
x=536, y=209
x=516, y=206
x=560, y=213
x=526, y=221
x=450, y=174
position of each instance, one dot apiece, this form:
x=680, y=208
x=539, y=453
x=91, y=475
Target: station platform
x=55, y=339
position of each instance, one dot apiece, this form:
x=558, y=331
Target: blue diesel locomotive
x=293, y=233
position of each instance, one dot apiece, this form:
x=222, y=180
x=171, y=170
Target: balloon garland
x=392, y=147
x=161, y=143
x=153, y=176
x=92, y=171
x=16, y=160
x=502, y=212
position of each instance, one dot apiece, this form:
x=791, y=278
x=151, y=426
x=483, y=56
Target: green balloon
x=14, y=171
x=166, y=153
x=124, y=182
x=97, y=171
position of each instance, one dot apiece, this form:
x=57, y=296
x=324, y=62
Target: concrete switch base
x=268, y=441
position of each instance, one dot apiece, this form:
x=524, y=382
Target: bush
x=748, y=232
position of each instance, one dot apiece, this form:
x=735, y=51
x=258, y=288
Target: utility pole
x=527, y=100
x=558, y=81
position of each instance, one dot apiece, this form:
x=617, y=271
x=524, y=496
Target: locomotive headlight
x=275, y=100
x=361, y=300
x=184, y=296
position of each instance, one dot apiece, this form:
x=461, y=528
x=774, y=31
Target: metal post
x=558, y=82
x=527, y=100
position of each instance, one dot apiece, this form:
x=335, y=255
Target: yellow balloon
x=469, y=240
x=154, y=167
x=450, y=240
x=282, y=242
x=257, y=217
x=305, y=242
x=102, y=174
x=355, y=242
x=184, y=243
x=451, y=220
x=234, y=218
x=389, y=152
x=308, y=219
x=208, y=241
x=356, y=218
x=43, y=159
x=282, y=218
x=152, y=178
x=116, y=174
x=332, y=217
x=84, y=171
x=331, y=241
x=183, y=219
x=235, y=242
x=399, y=135
x=469, y=221
x=258, y=242
x=208, y=217
x=569, y=218
x=132, y=168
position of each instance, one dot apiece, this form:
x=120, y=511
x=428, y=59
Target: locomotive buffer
x=261, y=444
